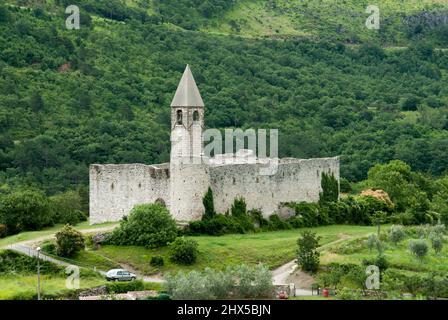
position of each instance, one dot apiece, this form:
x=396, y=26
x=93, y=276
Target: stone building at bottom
x=180, y=185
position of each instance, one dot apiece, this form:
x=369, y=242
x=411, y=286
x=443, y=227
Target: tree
x=308, y=256
x=378, y=219
x=67, y=208
x=419, y=248
x=209, y=206
x=396, y=234
x=4, y=14
x=36, y=102
x=149, y=225
x=330, y=189
x=25, y=210
x=69, y=241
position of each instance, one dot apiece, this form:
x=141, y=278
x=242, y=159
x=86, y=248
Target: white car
x=120, y=275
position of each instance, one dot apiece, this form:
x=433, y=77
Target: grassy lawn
x=30, y=235
x=398, y=256
x=271, y=248
x=24, y=286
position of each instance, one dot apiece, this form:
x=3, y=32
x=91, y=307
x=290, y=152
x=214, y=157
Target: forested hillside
x=101, y=94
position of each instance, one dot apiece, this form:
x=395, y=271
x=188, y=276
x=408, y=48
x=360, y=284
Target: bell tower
x=187, y=121
x=189, y=178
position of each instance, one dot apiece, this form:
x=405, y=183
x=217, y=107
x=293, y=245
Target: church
x=180, y=185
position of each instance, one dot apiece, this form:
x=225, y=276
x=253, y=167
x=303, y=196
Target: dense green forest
x=101, y=94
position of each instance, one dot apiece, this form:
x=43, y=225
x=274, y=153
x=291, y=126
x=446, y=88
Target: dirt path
x=33, y=242
x=289, y=273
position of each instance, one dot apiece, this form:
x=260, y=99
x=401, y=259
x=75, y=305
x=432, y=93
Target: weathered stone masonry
x=116, y=189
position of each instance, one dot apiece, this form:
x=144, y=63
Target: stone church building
x=180, y=185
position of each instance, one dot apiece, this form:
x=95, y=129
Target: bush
x=438, y=229
x=220, y=283
x=148, y=225
x=69, y=242
x=190, y=286
x=373, y=242
x=67, y=208
x=218, y=225
x=437, y=243
x=342, y=275
x=348, y=294
x=396, y=234
x=380, y=261
x=330, y=189
x=237, y=282
x=3, y=231
x=25, y=210
x=253, y=282
x=239, y=212
x=275, y=223
x=184, y=251
x=124, y=287
x=308, y=256
x=157, y=261
x=12, y=262
x=419, y=248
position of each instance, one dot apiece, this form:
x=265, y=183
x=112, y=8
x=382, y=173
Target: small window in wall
x=112, y=186
x=195, y=116
x=179, y=117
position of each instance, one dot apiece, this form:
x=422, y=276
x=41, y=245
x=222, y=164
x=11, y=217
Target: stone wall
x=115, y=189
x=295, y=180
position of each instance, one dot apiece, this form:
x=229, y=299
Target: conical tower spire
x=187, y=93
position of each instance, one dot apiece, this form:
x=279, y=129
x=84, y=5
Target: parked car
x=120, y=275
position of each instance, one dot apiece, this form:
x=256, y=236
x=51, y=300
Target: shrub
x=258, y=219
x=275, y=223
x=345, y=186
x=396, y=234
x=330, y=189
x=149, y=225
x=49, y=247
x=438, y=229
x=308, y=256
x=419, y=248
x=184, y=251
x=218, y=225
x=373, y=242
x=69, y=242
x=124, y=287
x=157, y=261
x=67, y=208
x=253, y=282
x=12, y=262
x=25, y=210
x=308, y=212
x=188, y=286
x=437, y=243
x=220, y=283
x=380, y=261
x=3, y=231
x=340, y=275
x=235, y=282
x=239, y=212
x=348, y=294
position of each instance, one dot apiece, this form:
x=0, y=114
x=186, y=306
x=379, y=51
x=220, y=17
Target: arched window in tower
x=179, y=117
x=195, y=117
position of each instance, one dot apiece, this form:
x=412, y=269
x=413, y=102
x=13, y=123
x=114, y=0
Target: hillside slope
x=69, y=98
